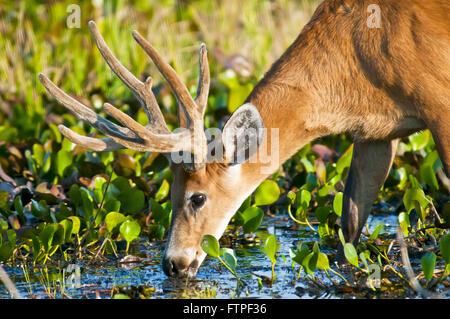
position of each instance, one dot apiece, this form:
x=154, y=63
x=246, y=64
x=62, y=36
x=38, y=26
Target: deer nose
x=176, y=266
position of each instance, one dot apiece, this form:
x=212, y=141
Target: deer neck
x=287, y=110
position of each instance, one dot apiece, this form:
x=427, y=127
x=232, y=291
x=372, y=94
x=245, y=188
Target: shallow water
x=212, y=280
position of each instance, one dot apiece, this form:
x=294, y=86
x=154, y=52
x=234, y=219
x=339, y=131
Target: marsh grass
x=35, y=38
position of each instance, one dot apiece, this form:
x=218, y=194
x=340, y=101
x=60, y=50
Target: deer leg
x=371, y=162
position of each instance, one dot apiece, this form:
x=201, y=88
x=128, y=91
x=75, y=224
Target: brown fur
x=341, y=76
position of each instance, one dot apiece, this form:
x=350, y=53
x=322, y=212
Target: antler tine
x=82, y=111
x=95, y=144
x=120, y=135
x=134, y=136
x=140, y=89
x=203, y=80
x=163, y=143
x=179, y=89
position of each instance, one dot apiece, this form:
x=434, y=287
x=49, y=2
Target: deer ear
x=242, y=134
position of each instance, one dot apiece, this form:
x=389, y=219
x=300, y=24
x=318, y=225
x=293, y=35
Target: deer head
x=204, y=191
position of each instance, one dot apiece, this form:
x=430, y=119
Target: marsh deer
x=340, y=75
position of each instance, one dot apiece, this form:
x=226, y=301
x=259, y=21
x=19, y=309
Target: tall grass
x=34, y=37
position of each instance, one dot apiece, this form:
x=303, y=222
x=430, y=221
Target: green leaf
x=310, y=261
x=341, y=236
x=130, y=230
x=163, y=191
x=75, y=224
x=322, y=262
x=38, y=154
x=428, y=175
x=376, y=231
x=87, y=204
x=267, y=193
x=325, y=190
x=11, y=234
x=230, y=258
x=300, y=254
x=350, y=254
x=270, y=247
x=322, y=213
x=46, y=236
x=6, y=252
x=75, y=195
x=18, y=206
x=210, y=245
x=63, y=160
x=121, y=296
x=132, y=201
x=428, y=262
x=252, y=218
x=113, y=221
x=98, y=189
x=403, y=220
x=3, y=225
x=160, y=214
x=111, y=205
x=303, y=200
x=291, y=197
x=419, y=140
x=246, y=204
x=414, y=194
x=444, y=246
x=337, y=203
x=345, y=160
x=58, y=236
x=67, y=225
x=125, y=166
x=307, y=164
x=362, y=256
x=311, y=182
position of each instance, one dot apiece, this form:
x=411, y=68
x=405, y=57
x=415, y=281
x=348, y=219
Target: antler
x=156, y=137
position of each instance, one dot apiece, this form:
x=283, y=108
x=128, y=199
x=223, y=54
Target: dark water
x=213, y=280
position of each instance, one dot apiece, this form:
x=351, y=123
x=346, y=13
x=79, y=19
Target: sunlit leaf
x=46, y=236
x=210, y=245
x=163, y=191
x=350, y=254
x=113, y=221
x=337, y=203
x=419, y=140
x=75, y=224
x=130, y=230
x=67, y=225
x=267, y=193
x=270, y=247
x=376, y=231
x=403, y=219
x=345, y=160
x=230, y=258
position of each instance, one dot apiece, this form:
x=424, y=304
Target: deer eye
x=198, y=200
